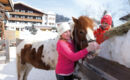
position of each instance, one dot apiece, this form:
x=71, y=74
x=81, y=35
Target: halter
x=91, y=41
x=81, y=43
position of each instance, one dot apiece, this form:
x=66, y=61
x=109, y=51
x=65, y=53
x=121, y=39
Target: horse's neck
x=76, y=46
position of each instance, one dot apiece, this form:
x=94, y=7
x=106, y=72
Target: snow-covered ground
x=8, y=71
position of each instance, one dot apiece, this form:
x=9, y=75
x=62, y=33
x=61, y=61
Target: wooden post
x=3, y=28
x=7, y=51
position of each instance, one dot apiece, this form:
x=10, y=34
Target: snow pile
x=40, y=35
x=117, y=49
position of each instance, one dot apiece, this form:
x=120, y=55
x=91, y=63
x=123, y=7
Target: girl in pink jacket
x=66, y=55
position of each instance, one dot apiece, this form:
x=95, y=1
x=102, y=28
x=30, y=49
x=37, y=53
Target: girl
x=66, y=55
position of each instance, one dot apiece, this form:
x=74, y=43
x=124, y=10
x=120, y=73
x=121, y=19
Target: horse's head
x=82, y=32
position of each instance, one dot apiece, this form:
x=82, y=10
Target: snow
x=39, y=74
x=40, y=35
x=117, y=49
x=8, y=71
x=95, y=8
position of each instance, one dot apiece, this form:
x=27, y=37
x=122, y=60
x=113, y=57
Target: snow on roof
x=50, y=13
x=20, y=2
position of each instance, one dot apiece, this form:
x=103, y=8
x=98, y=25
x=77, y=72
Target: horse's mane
x=84, y=20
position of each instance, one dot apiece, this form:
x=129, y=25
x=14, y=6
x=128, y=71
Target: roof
x=125, y=18
x=28, y=6
x=8, y=5
x=50, y=13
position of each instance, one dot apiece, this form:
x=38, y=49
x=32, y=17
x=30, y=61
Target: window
x=30, y=17
x=46, y=18
x=16, y=10
x=50, y=18
x=12, y=27
x=22, y=16
x=16, y=16
x=22, y=10
x=30, y=11
x=53, y=18
x=17, y=29
x=11, y=16
x=39, y=18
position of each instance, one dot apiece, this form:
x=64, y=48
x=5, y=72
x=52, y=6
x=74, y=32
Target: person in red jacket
x=66, y=55
x=106, y=23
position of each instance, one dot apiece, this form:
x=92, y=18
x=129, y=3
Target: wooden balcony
x=25, y=19
x=28, y=14
x=8, y=5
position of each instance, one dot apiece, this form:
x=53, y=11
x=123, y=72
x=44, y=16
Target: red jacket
x=99, y=34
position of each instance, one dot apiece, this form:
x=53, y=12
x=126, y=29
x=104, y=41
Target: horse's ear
x=75, y=20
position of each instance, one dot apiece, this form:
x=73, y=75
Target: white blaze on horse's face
x=90, y=35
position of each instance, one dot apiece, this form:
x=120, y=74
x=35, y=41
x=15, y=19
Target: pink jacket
x=67, y=57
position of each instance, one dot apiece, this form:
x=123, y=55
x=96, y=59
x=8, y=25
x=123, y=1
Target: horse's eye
x=81, y=32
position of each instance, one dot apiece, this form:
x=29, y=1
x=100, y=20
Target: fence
x=4, y=51
x=102, y=69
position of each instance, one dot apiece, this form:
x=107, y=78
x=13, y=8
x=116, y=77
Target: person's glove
x=93, y=46
x=93, y=49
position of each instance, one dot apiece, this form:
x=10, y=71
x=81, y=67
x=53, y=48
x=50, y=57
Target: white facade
x=13, y=25
x=49, y=19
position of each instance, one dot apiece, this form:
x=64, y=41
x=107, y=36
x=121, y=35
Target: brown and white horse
x=43, y=55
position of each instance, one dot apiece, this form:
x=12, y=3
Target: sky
x=66, y=7
x=76, y=8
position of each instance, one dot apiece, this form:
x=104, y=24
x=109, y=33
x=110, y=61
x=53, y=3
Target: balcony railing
x=24, y=13
x=25, y=19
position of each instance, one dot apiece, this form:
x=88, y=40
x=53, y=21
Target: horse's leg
x=22, y=71
x=21, y=68
x=27, y=70
x=18, y=66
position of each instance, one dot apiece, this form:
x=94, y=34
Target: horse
x=43, y=54
x=83, y=32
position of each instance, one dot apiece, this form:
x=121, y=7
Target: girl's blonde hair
x=61, y=38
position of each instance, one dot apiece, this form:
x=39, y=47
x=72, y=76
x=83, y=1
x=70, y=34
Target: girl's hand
x=92, y=46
